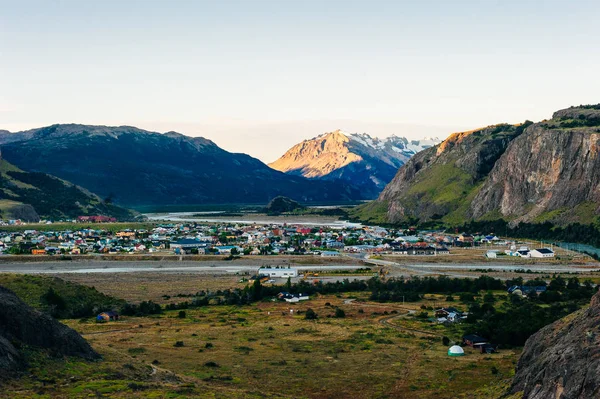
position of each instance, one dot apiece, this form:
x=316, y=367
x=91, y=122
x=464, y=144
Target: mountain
x=28, y=196
x=136, y=167
x=562, y=360
x=367, y=162
x=547, y=171
x=23, y=329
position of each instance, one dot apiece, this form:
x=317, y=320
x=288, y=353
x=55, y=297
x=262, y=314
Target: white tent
x=456, y=351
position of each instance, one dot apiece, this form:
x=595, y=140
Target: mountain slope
x=437, y=182
x=562, y=360
x=138, y=167
x=369, y=163
x=548, y=171
x=28, y=196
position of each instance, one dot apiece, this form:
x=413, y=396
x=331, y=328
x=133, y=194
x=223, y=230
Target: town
x=250, y=239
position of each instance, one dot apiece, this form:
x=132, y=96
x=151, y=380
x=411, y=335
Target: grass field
x=265, y=351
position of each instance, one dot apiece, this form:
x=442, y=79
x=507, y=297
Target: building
x=278, y=273
x=107, y=316
x=473, y=340
x=329, y=254
x=187, y=244
x=541, y=253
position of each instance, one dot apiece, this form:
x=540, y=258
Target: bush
x=339, y=313
x=181, y=314
x=446, y=341
x=211, y=364
x=178, y=344
x=310, y=314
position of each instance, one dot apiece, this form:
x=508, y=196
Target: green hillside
x=31, y=196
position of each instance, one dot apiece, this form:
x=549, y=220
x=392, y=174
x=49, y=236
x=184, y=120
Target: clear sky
x=258, y=76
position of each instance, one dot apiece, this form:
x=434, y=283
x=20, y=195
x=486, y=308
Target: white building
x=278, y=273
x=329, y=254
x=542, y=253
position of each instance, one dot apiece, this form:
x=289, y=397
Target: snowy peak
x=365, y=161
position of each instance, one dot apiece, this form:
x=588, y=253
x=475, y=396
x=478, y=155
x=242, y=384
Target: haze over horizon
x=258, y=77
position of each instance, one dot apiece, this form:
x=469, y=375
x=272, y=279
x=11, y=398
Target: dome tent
x=456, y=351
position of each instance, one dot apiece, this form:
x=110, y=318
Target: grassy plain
x=266, y=351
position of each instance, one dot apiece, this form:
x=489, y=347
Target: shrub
x=178, y=344
x=181, y=314
x=310, y=314
x=446, y=341
x=339, y=313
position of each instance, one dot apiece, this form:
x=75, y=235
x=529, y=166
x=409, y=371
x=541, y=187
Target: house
x=293, y=298
x=491, y=254
x=473, y=340
x=466, y=238
x=38, y=252
x=329, y=254
x=107, y=316
x=444, y=312
x=541, y=253
x=524, y=253
x=442, y=251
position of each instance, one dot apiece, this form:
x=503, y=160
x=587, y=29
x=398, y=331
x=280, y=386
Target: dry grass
x=265, y=351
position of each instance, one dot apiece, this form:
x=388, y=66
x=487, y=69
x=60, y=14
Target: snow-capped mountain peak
x=367, y=161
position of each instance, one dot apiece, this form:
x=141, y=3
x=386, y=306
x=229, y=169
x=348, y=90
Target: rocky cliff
x=364, y=161
x=562, y=360
x=21, y=325
x=550, y=172
x=547, y=171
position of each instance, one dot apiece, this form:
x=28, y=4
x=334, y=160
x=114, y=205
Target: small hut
x=107, y=316
x=456, y=351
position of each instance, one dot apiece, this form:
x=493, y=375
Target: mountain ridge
x=169, y=168
x=532, y=172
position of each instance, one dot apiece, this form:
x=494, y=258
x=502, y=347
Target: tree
x=181, y=314
x=445, y=341
x=339, y=313
x=234, y=251
x=310, y=314
x=489, y=298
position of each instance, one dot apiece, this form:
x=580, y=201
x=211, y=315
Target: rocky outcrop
x=282, y=204
x=21, y=325
x=562, y=360
x=359, y=159
x=550, y=168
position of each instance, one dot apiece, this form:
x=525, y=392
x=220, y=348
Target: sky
x=260, y=76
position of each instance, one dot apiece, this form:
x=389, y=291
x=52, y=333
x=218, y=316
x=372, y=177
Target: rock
x=22, y=325
x=562, y=360
x=282, y=204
